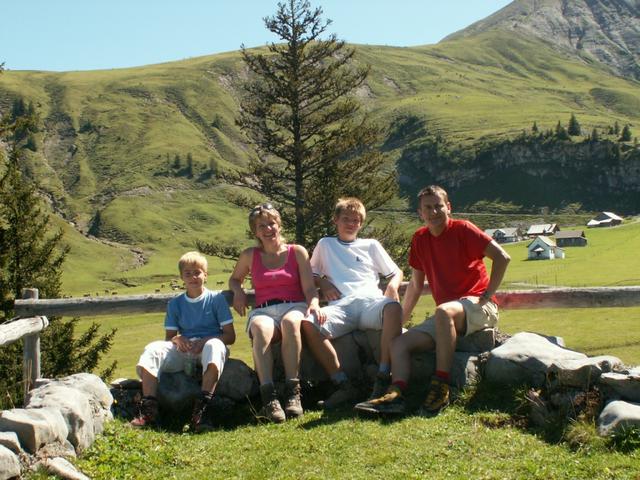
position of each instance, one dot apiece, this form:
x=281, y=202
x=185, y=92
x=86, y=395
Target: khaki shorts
x=477, y=317
x=276, y=313
x=354, y=313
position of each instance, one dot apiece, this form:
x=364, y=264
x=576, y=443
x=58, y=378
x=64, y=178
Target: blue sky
x=64, y=35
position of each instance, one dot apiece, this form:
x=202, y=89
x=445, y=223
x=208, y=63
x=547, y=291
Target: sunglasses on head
x=259, y=208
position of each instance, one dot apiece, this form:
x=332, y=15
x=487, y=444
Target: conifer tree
x=534, y=128
x=616, y=128
x=561, y=132
x=314, y=141
x=574, y=127
x=594, y=135
x=625, y=136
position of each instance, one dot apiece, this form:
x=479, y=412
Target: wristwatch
x=486, y=296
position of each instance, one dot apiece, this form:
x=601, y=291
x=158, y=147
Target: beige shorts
x=276, y=313
x=477, y=317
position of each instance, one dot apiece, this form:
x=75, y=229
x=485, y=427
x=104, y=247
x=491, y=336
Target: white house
x=605, y=219
x=544, y=248
x=504, y=234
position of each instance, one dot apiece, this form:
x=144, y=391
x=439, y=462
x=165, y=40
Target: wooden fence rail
x=36, y=310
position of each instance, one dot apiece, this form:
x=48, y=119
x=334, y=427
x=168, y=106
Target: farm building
x=571, y=238
x=543, y=229
x=544, y=248
x=505, y=235
x=605, y=219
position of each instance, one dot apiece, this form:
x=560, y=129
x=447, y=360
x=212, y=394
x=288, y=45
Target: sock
x=339, y=377
x=266, y=382
x=442, y=375
x=206, y=396
x=384, y=368
x=401, y=384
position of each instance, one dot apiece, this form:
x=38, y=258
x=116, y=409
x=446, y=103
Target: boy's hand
x=329, y=291
x=392, y=292
x=240, y=302
x=182, y=344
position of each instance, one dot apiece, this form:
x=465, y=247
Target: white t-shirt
x=353, y=267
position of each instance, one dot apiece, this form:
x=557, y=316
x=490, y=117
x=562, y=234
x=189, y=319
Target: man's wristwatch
x=486, y=296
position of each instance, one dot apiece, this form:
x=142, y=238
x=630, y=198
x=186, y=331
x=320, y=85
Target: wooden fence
x=34, y=311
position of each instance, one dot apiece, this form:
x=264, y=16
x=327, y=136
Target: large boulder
x=35, y=427
x=176, y=391
x=9, y=464
x=75, y=408
x=97, y=392
x=618, y=415
x=525, y=358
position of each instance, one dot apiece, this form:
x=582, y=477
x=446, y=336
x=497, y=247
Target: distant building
x=544, y=229
x=605, y=219
x=505, y=235
x=544, y=248
x=571, y=238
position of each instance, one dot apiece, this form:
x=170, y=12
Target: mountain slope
x=606, y=31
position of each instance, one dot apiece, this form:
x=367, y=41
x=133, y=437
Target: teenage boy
x=449, y=253
x=347, y=270
x=198, y=323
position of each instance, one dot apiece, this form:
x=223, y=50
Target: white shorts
x=276, y=312
x=476, y=317
x=162, y=356
x=354, y=313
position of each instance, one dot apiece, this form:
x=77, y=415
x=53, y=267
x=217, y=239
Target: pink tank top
x=281, y=283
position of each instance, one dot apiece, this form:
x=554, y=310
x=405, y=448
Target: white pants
x=162, y=356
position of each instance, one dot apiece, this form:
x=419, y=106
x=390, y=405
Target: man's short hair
x=193, y=258
x=433, y=190
x=350, y=204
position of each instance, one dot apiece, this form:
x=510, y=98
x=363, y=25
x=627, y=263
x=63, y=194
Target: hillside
x=115, y=145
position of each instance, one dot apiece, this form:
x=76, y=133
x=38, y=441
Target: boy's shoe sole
x=381, y=408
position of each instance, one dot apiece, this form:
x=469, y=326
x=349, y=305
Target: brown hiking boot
x=293, y=405
x=346, y=393
x=391, y=402
x=437, y=398
x=147, y=413
x=271, y=408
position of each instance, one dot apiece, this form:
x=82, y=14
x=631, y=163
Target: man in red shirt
x=449, y=253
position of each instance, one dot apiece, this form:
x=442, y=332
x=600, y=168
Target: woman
x=285, y=295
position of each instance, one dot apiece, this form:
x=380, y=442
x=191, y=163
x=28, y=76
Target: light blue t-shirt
x=198, y=317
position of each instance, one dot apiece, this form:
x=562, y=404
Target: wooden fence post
x=31, y=351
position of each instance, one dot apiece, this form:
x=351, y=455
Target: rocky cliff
x=605, y=31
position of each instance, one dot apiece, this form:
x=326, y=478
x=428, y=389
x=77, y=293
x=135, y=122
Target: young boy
x=450, y=254
x=347, y=269
x=198, y=323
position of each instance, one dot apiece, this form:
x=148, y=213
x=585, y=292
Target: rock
x=10, y=440
x=238, y=381
x=97, y=393
x=126, y=384
x=75, y=408
x=176, y=391
x=35, y=427
x=580, y=373
x=617, y=415
x=626, y=385
x=525, y=358
x=9, y=464
x=464, y=370
x=480, y=341
x=62, y=468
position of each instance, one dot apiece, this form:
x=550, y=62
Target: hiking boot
x=346, y=393
x=271, y=408
x=293, y=405
x=391, y=402
x=147, y=413
x=381, y=385
x=198, y=415
x=437, y=397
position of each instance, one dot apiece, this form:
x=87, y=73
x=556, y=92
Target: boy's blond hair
x=193, y=258
x=350, y=204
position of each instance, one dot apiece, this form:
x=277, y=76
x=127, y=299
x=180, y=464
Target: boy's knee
x=392, y=312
